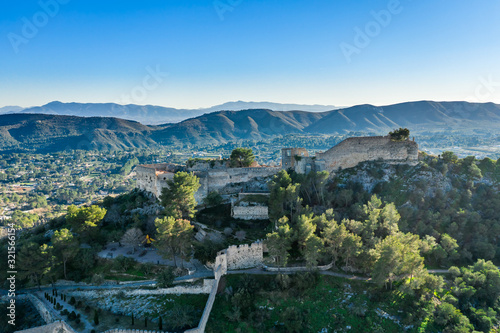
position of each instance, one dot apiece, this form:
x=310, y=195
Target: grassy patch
x=333, y=303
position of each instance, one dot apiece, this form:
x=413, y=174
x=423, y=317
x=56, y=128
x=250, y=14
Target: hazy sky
x=201, y=53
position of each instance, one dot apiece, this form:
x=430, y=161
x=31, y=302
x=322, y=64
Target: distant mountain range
x=11, y=109
x=41, y=132
x=150, y=114
x=55, y=132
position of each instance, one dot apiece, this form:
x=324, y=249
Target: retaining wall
x=204, y=289
x=250, y=212
x=117, y=330
x=47, y=314
x=296, y=269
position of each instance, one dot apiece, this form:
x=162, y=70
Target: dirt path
x=259, y=271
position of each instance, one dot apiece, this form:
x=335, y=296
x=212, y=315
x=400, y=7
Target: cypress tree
x=160, y=325
x=145, y=321
x=132, y=319
x=96, y=317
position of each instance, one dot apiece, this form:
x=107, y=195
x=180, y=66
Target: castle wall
x=153, y=177
x=219, y=271
x=244, y=256
x=353, y=151
x=234, y=257
x=288, y=159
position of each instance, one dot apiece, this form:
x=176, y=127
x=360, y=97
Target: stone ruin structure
x=216, y=176
x=244, y=256
x=246, y=209
x=234, y=257
x=224, y=180
x=351, y=152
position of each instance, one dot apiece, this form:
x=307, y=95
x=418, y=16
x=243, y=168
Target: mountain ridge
x=152, y=114
x=52, y=132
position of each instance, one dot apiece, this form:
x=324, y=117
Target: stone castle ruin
x=351, y=152
x=216, y=176
x=224, y=180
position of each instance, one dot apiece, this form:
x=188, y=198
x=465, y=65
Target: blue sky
x=207, y=52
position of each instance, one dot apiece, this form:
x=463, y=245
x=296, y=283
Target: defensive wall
x=219, y=271
x=351, y=152
x=153, y=178
x=228, y=181
x=244, y=256
x=234, y=257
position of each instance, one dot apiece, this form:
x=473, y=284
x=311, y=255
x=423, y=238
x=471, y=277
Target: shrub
x=72, y=315
x=97, y=279
x=213, y=199
x=123, y=263
x=120, y=294
x=240, y=235
x=228, y=231
x=72, y=300
x=166, y=278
